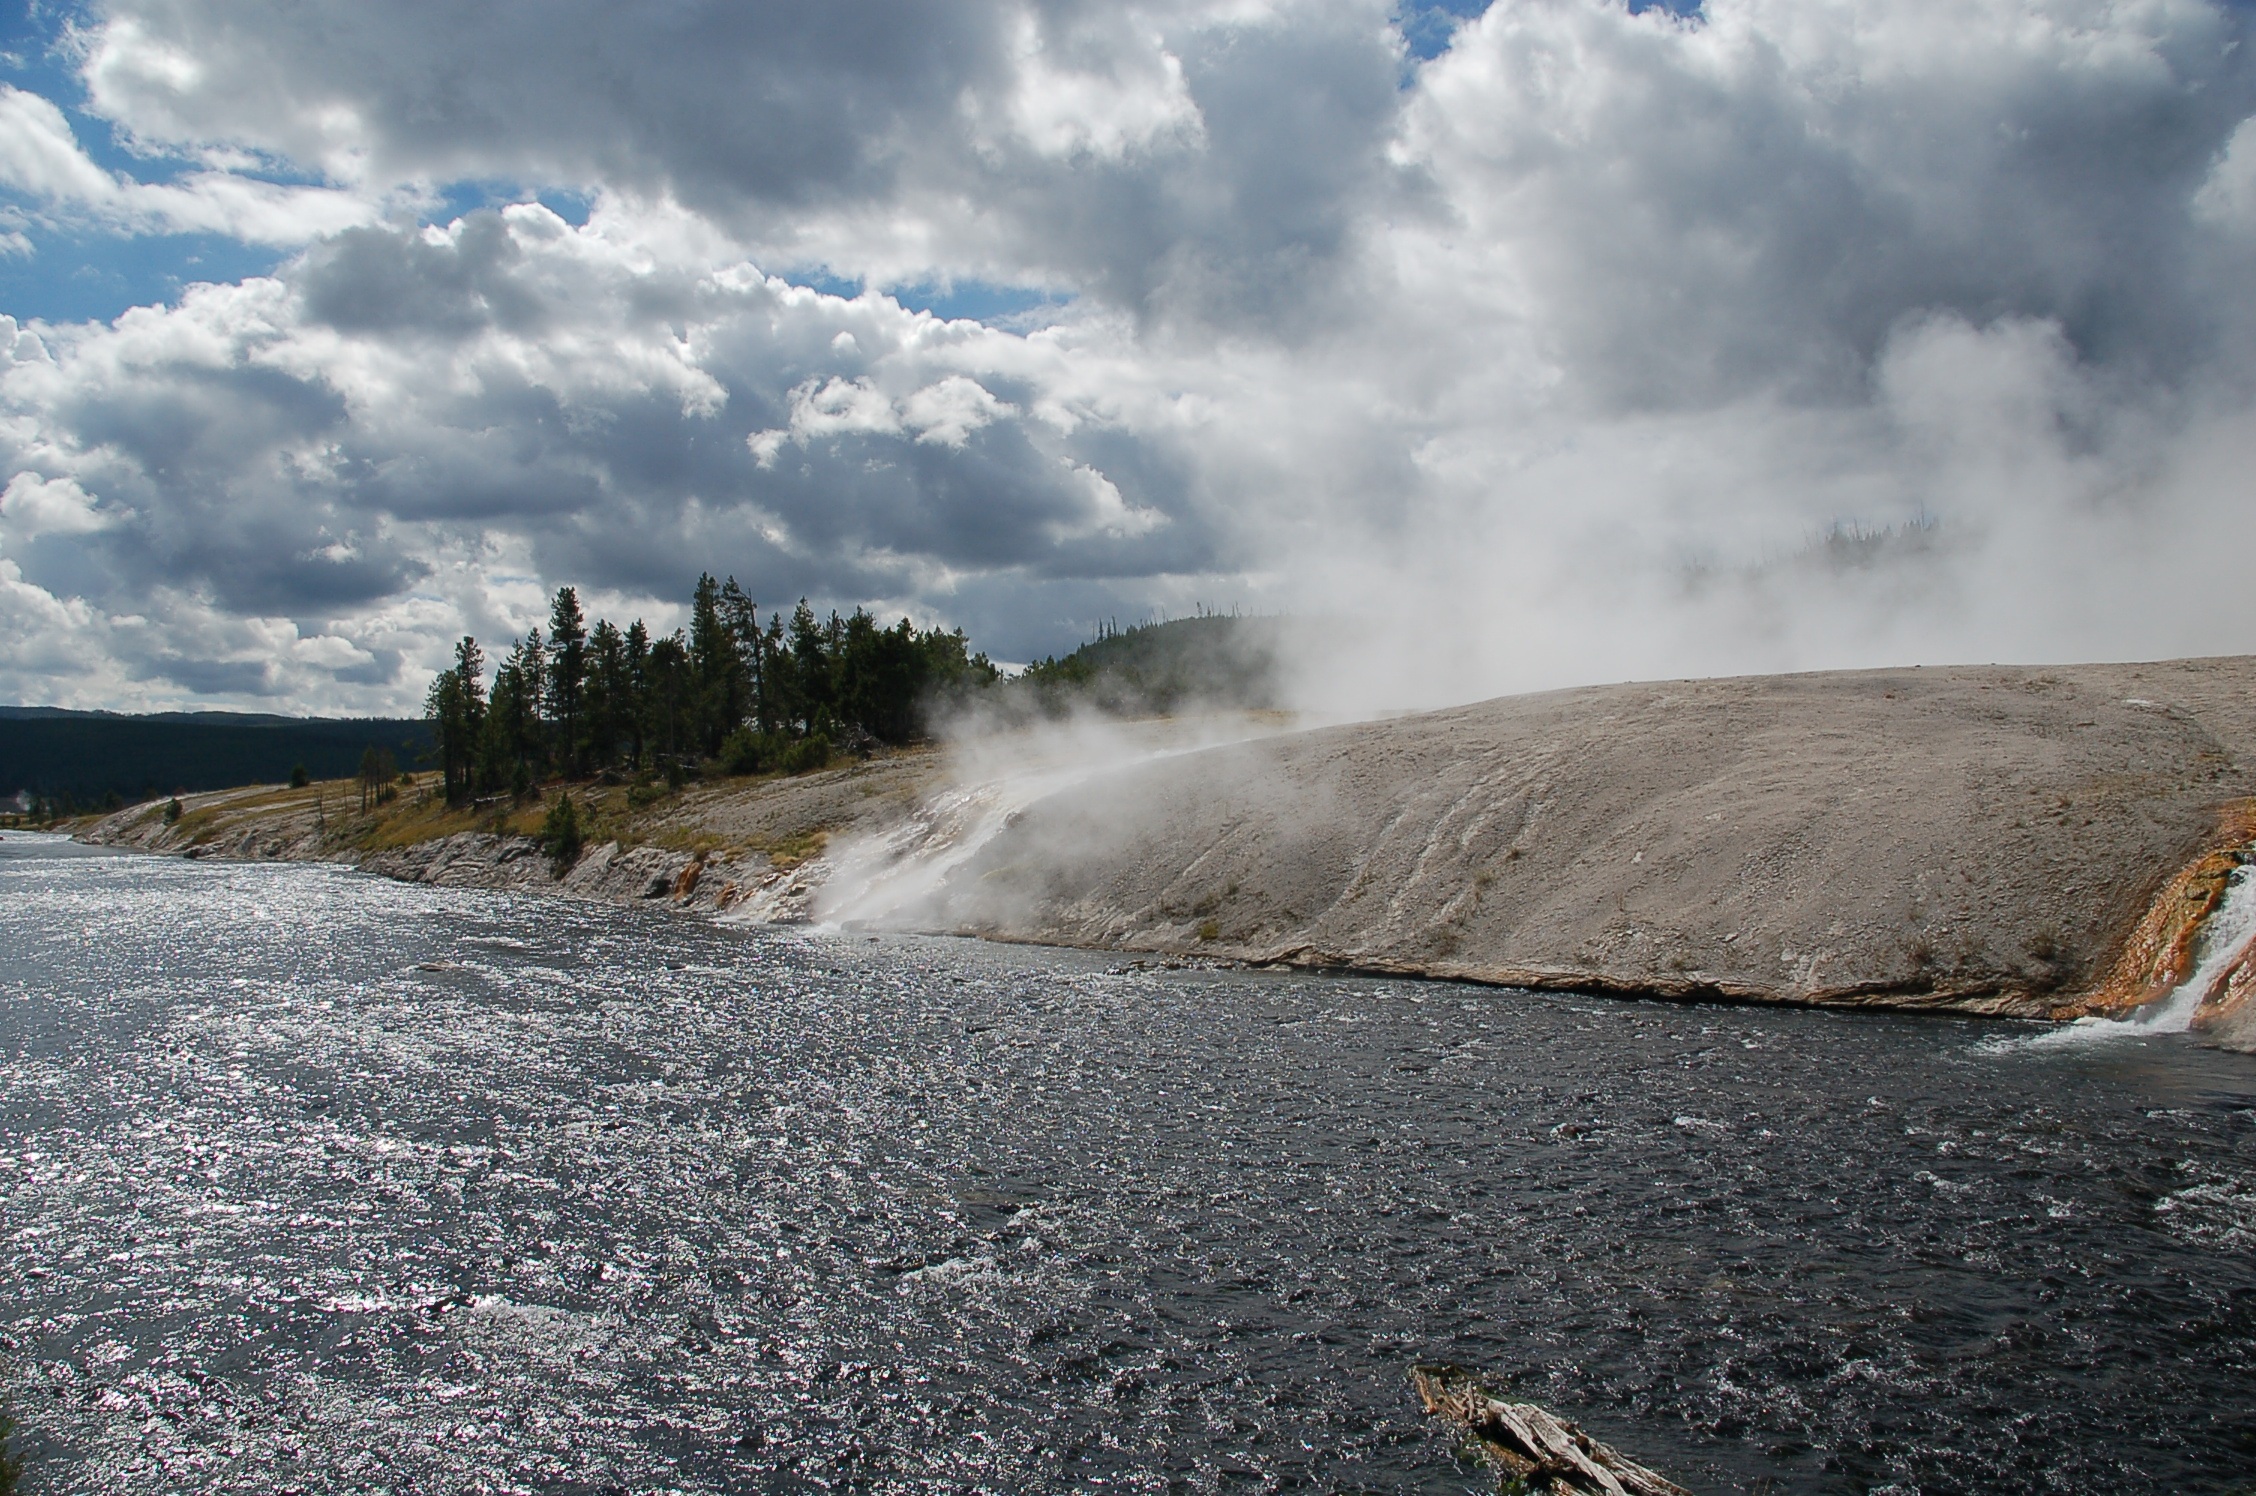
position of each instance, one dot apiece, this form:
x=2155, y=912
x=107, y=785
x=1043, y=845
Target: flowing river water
x=315, y=1182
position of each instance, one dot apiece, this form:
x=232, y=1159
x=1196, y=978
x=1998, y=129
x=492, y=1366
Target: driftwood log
x=1527, y=1446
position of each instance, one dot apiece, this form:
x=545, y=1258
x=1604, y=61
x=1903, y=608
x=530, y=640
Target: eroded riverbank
x=2015, y=842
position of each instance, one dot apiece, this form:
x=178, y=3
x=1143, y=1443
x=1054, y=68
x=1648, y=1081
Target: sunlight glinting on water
x=317, y=1182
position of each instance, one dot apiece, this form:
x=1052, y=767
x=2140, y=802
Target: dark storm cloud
x=385, y=281
x=1201, y=159
x=307, y=447
x=213, y=677
x=382, y=669
x=843, y=511
x=192, y=424
x=712, y=101
x=193, y=459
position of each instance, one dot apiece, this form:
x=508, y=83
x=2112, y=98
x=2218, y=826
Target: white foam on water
x=2224, y=935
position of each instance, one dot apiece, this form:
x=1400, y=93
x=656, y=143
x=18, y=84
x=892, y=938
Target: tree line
x=728, y=692
x=81, y=761
x=1210, y=659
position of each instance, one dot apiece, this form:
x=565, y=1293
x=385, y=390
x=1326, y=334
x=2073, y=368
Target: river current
x=316, y=1182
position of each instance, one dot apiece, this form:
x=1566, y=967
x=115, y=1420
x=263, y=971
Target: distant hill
x=89, y=756
x=1211, y=660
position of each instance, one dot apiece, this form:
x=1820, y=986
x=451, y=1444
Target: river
x=318, y=1182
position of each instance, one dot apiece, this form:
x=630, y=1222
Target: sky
x=1529, y=345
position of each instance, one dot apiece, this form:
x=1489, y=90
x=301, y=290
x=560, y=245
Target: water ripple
x=316, y=1182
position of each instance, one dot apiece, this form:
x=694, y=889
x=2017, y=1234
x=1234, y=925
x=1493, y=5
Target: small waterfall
x=2224, y=935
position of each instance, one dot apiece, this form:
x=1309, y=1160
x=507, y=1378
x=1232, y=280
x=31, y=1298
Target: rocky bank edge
x=2036, y=843
x=2026, y=842
x=700, y=850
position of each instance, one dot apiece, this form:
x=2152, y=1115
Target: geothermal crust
x=1981, y=839
x=2030, y=842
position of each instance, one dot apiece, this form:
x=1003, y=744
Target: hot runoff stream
x=314, y=1182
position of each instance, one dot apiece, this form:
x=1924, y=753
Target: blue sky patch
x=93, y=276
x=81, y=272
x=1428, y=25
x=979, y=301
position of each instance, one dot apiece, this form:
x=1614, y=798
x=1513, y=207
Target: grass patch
x=787, y=852
x=697, y=843
x=605, y=813
x=628, y=814
x=334, y=801
x=409, y=822
x=199, y=826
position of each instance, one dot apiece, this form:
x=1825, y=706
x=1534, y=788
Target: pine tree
x=610, y=695
x=567, y=679
x=512, y=752
x=636, y=714
x=377, y=769
x=810, y=668
x=717, y=668
x=741, y=617
x=670, y=697
x=560, y=835
x=456, y=707
x=779, y=678
x=591, y=696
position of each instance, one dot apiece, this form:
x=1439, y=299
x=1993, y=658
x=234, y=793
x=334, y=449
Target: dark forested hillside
x=85, y=757
x=1213, y=659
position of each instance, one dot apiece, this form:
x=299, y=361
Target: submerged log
x=1527, y=1446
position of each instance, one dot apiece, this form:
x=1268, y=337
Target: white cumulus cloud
x=41, y=158
x=1789, y=333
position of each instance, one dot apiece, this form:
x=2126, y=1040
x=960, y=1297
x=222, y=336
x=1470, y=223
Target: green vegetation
x=420, y=818
x=71, y=762
x=750, y=752
x=560, y=835
x=1212, y=658
x=747, y=697
x=596, y=705
x=791, y=850
x=562, y=821
x=378, y=770
x=807, y=754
